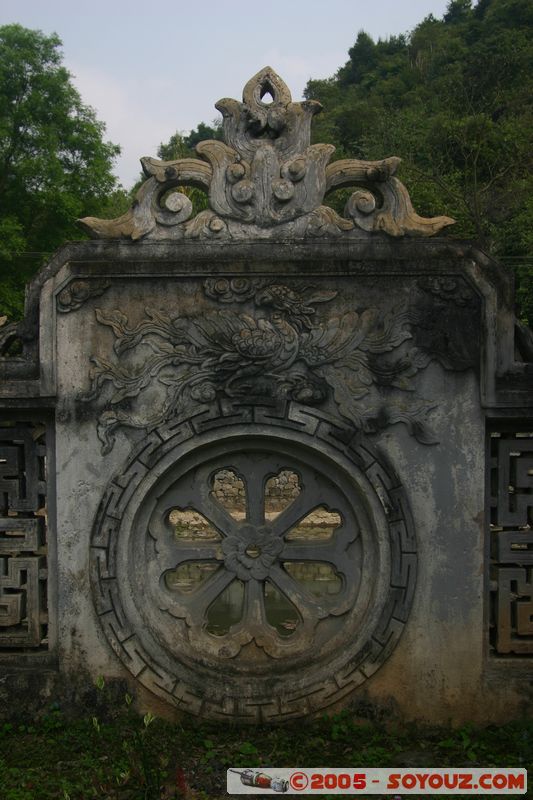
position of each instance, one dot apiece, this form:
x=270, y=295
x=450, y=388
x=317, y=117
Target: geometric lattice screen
x=23, y=544
x=512, y=543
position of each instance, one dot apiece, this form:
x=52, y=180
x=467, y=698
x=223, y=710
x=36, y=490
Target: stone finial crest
x=266, y=180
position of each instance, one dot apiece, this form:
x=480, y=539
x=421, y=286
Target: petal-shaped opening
x=266, y=96
x=229, y=491
x=317, y=526
x=189, y=524
x=317, y=577
x=279, y=611
x=226, y=610
x=280, y=491
x=189, y=576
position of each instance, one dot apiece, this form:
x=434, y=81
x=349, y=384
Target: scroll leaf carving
x=266, y=177
x=347, y=172
x=136, y=223
x=77, y=293
x=186, y=171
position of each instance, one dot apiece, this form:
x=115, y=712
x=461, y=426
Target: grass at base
x=128, y=757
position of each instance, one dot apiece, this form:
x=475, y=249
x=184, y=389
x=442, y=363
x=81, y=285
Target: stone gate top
x=267, y=180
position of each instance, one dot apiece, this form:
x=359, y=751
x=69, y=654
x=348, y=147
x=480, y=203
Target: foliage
x=203, y=132
x=54, y=164
x=454, y=99
x=123, y=756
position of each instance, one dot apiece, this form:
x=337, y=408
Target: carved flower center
x=253, y=550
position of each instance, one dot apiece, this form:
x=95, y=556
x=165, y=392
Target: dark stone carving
x=449, y=322
x=23, y=574
x=283, y=349
x=454, y=290
x=271, y=672
x=512, y=543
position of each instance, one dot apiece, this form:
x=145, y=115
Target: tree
x=54, y=164
x=203, y=132
x=454, y=100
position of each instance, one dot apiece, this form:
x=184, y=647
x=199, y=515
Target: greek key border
x=324, y=692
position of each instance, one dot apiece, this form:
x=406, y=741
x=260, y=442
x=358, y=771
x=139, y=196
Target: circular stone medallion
x=253, y=572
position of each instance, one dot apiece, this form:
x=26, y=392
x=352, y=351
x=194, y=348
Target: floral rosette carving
x=255, y=553
x=251, y=560
x=232, y=290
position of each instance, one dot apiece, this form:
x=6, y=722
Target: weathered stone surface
x=266, y=179
x=268, y=486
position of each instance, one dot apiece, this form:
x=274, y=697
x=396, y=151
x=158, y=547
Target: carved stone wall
x=271, y=364
x=375, y=365
x=265, y=452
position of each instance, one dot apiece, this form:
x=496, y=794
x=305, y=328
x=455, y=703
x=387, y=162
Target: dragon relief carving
x=362, y=362
x=266, y=179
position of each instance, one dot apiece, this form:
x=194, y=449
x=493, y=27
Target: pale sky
x=149, y=69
